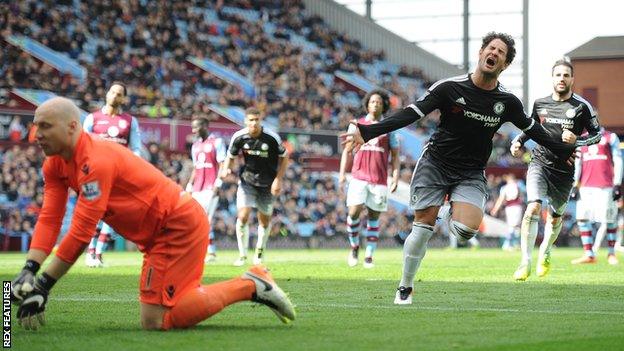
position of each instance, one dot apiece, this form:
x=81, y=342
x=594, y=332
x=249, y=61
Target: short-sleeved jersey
x=206, y=155
x=261, y=156
x=574, y=114
x=122, y=129
x=370, y=162
x=597, y=168
x=113, y=184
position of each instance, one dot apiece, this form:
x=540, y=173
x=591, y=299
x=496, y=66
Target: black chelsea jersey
x=469, y=117
x=261, y=156
x=574, y=114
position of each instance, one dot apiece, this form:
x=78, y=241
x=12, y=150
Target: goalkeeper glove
x=31, y=312
x=24, y=282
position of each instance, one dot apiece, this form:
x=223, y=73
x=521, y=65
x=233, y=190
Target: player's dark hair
x=252, y=111
x=203, y=121
x=385, y=98
x=563, y=62
x=505, y=38
x=125, y=89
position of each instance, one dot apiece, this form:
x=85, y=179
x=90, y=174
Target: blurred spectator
x=21, y=188
x=17, y=132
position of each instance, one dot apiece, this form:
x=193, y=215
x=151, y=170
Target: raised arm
x=397, y=120
x=408, y=115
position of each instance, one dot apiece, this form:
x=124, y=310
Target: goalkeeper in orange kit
x=151, y=210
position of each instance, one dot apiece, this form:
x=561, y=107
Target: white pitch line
x=387, y=307
x=95, y=299
x=463, y=309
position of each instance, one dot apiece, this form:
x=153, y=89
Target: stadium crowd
x=21, y=189
x=291, y=57
x=310, y=205
x=150, y=42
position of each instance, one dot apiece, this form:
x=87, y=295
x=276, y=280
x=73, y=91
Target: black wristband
x=32, y=266
x=45, y=281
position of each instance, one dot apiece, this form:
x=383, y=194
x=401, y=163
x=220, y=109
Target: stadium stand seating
x=184, y=59
x=188, y=54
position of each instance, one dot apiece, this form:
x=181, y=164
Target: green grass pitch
x=464, y=300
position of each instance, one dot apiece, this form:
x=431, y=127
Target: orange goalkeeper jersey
x=113, y=184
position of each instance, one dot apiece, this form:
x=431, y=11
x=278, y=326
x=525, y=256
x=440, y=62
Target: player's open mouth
x=490, y=61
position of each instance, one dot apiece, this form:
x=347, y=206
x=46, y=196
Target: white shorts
x=208, y=201
x=513, y=215
x=596, y=205
x=374, y=196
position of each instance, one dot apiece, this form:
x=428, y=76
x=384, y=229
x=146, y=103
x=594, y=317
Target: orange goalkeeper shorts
x=175, y=262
